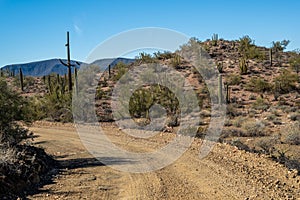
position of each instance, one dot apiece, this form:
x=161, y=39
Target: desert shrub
x=36, y=109
x=285, y=82
x=120, y=69
x=232, y=132
x=260, y=104
x=234, y=79
x=11, y=105
x=29, y=81
x=7, y=155
x=255, y=53
x=240, y=145
x=176, y=61
x=258, y=85
x=267, y=145
x=253, y=128
x=232, y=111
x=143, y=98
x=163, y=55
x=13, y=134
x=252, y=97
x=100, y=93
x=279, y=46
x=294, y=116
x=292, y=134
x=295, y=63
x=11, y=109
x=146, y=58
x=271, y=117
x=58, y=107
x=248, y=50
x=239, y=121
x=244, y=45
x=53, y=106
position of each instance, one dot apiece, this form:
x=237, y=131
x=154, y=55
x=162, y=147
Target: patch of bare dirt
x=226, y=173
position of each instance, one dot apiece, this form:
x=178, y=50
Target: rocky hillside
x=262, y=106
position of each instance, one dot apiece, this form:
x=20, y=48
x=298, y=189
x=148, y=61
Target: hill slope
x=46, y=67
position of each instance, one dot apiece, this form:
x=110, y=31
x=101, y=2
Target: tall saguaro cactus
x=21, y=79
x=109, y=72
x=76, y=81
x=220, y=92
x=68, y=64
x=227, y=89
x=271, y=56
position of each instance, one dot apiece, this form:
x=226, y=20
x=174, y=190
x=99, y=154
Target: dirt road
x=227, y=173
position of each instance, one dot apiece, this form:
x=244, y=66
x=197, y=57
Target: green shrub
x=258, y=85
x=146, y=58
x=234, y=79
x=255, y=53
x=176, y=61
x=11, y=105
x=285, y=82
x=29, y=81
x=163, y=56
x=11, y=109
x=295, y=116
x=267, y=145
x=279, y=46
x=239, y=121
x=100, y=93
x=248, y=50
x=56, y=105
x=295, y=63
x=120, y=69
x=245, y=43
x=292, y=134
x=143, y=98
x=253, y=128
x=260, y=104
x=232, y=111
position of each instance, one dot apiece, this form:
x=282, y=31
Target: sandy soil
x=226, y=173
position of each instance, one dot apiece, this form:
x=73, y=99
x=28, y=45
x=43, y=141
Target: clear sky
x=33, y=30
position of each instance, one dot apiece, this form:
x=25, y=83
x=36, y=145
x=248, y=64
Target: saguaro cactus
x=227, y=89
x=271, y=57
x=21, y=79
x=243, y=66
x=76, y=80
x=214, y=39
x=220, y=67
x=220, y=93
x=58, y=79
x=49, y=84
x=109, y=72
x=68, y=64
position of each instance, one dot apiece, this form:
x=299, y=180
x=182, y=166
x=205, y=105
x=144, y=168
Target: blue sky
x=36, y=29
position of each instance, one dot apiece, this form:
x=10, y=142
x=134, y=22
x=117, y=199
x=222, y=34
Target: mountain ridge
x=49, y=66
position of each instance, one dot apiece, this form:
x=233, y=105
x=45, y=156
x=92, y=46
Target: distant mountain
x=103, y=63
x=46, y=67
x=40, y=68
